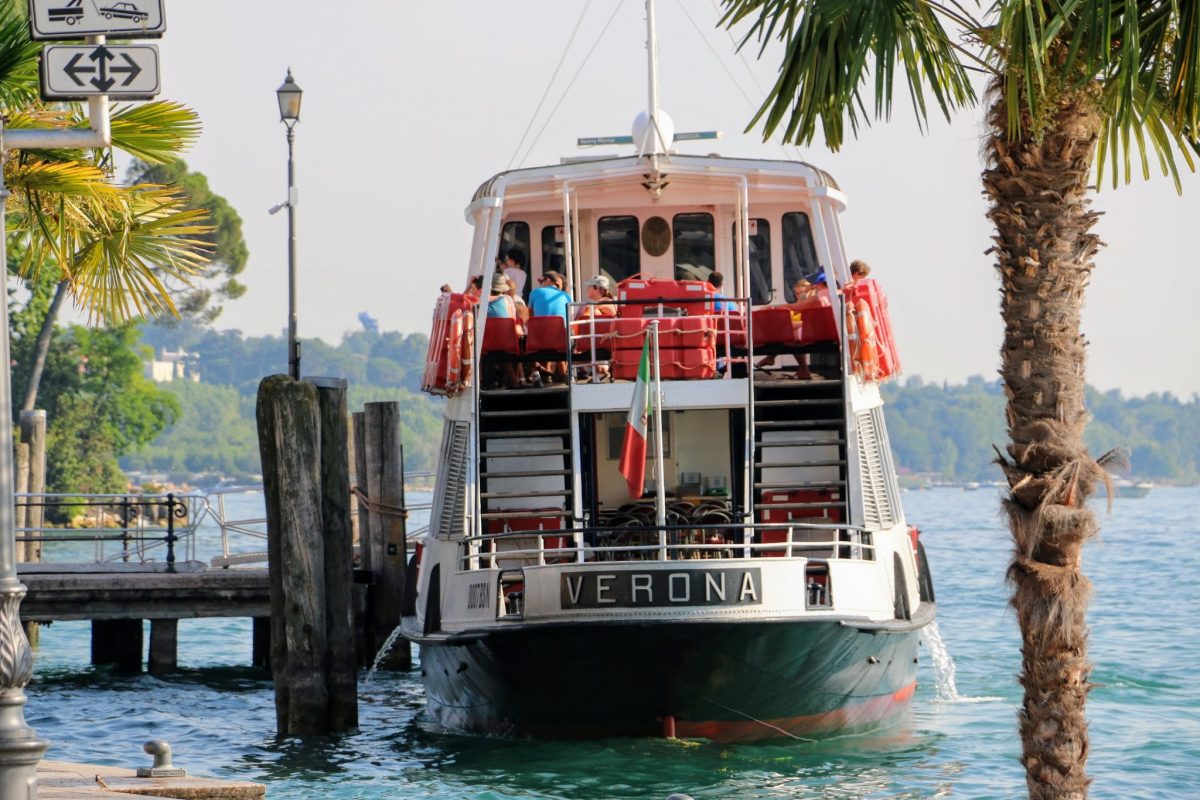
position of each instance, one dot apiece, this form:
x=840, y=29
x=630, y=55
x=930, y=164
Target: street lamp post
x=289, y=95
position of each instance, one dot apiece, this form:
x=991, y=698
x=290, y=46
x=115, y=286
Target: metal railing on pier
x=154, y=529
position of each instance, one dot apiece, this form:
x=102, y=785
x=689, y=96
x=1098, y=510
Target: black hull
x=724, y=681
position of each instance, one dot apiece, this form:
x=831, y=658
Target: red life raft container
x=873, y=347
x=643, y=296
x=451, y=345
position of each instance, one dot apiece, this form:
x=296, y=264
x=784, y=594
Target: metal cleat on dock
x=162, y=767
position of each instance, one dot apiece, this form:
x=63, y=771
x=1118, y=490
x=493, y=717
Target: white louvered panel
x=870, y=463
x=451, y=489
x=890, y=498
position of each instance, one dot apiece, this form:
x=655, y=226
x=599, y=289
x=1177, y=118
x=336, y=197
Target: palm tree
x=1072, y=84
x=114, y=248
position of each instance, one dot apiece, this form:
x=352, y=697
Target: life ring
x=864, y=353
x=454, y=336
x=467, y=349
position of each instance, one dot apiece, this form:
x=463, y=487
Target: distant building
x=174, y=365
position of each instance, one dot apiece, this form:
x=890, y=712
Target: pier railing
x=119, y=528
x=154, y=529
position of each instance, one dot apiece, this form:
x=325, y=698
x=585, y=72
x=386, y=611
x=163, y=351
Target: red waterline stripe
x=865, y=713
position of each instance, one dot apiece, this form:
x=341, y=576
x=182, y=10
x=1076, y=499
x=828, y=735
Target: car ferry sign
x=75, y=19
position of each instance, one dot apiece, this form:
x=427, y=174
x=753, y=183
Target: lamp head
x=289, y=95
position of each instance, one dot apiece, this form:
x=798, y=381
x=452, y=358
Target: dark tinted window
x=799, y=254
x=516, y=235
x=553, y=247
x=760, y=261
x=620, y=248
x=695, y=255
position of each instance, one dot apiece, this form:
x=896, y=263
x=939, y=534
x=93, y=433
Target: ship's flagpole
x=660, y=491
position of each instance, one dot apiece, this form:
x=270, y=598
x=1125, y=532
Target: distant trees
x=950, y=429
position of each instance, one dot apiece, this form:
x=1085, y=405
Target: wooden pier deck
x=108, y=592
x=62, y=780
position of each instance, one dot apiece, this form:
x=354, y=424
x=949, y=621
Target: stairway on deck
x=525, y=454
x=800, y=456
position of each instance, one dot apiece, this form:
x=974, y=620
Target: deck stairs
x=800, y=457
x=525, y=455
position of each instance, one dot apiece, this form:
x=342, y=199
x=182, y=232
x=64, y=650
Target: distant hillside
x=950, y=429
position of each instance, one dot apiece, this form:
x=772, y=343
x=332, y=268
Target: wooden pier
x=117, y=598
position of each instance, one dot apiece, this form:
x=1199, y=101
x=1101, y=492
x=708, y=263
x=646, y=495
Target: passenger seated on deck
x=804, y=290
x=600, y=305
x=501, y=306
x=549, y=300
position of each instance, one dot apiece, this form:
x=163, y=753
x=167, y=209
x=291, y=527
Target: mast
x=652, y=69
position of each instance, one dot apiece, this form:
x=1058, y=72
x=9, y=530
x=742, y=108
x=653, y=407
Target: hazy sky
x=408, y=107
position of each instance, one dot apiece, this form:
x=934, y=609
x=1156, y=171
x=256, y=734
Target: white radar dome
x=644, y=137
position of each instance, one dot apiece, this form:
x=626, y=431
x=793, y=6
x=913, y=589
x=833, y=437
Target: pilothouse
x=665, y=508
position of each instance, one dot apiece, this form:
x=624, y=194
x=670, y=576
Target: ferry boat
x=764, y=583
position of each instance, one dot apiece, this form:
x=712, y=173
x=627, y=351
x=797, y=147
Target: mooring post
x=342, y=680
x=118, y=643
x=385, y=480
x=364, y=646
x=289, y=444
x=33, y=433
x=164, y=646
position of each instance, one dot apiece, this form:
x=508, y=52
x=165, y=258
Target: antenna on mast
x=653, y=134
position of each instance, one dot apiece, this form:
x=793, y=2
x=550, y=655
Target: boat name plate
x=660, y=588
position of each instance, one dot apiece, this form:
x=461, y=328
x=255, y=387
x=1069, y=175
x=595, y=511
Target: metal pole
x=20, y=747
x=660, y=489
x=293, y=343
x=652, y=70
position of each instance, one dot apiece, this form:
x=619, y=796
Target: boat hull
x=727, y=681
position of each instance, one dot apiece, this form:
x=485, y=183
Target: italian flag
x=633, y=450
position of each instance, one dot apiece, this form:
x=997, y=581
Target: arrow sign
x=75, y=19
x=76, y=72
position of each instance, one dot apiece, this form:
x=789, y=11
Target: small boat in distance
x=661, y=509
x=1126, y=488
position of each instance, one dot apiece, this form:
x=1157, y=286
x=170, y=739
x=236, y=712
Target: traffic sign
x=75, y=19
x=76, y=72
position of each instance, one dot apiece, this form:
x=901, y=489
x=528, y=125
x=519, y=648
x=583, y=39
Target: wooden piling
x=118, y=643
x=388, y=530
x=289, y=443
x=342, y=678
x=364, y=648
x=164, y=646
x=21, y=486
x=33, y=433
x=260, y=643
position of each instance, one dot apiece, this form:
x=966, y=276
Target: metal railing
x=125, y=528
x=671, y=543
x=153, y=528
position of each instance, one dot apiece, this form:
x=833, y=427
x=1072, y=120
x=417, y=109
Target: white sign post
x=75, y=19
x=76, y=72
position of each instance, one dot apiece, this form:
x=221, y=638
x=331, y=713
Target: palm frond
x=830, y=48
x=1148, y=121
x=155, y=132
x=119, y=273
x=19, y=82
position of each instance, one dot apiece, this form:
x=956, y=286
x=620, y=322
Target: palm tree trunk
x=1038, y=187
x=42, y=346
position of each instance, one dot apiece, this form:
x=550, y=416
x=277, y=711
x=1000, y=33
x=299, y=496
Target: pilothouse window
x=620, y=247
x=553, y=242
x=695, y=257
x=761, y=285
x=799, y=254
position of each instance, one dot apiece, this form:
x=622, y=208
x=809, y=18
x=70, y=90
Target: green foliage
x=216, y=431
x=950, y=429
x=99, y=407
x=228, y=248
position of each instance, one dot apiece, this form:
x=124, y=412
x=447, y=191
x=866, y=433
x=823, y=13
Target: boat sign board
x=76, y=72
x=660, y=588
x=75, y=19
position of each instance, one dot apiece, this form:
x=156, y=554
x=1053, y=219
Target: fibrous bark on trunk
x=1038, y=186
